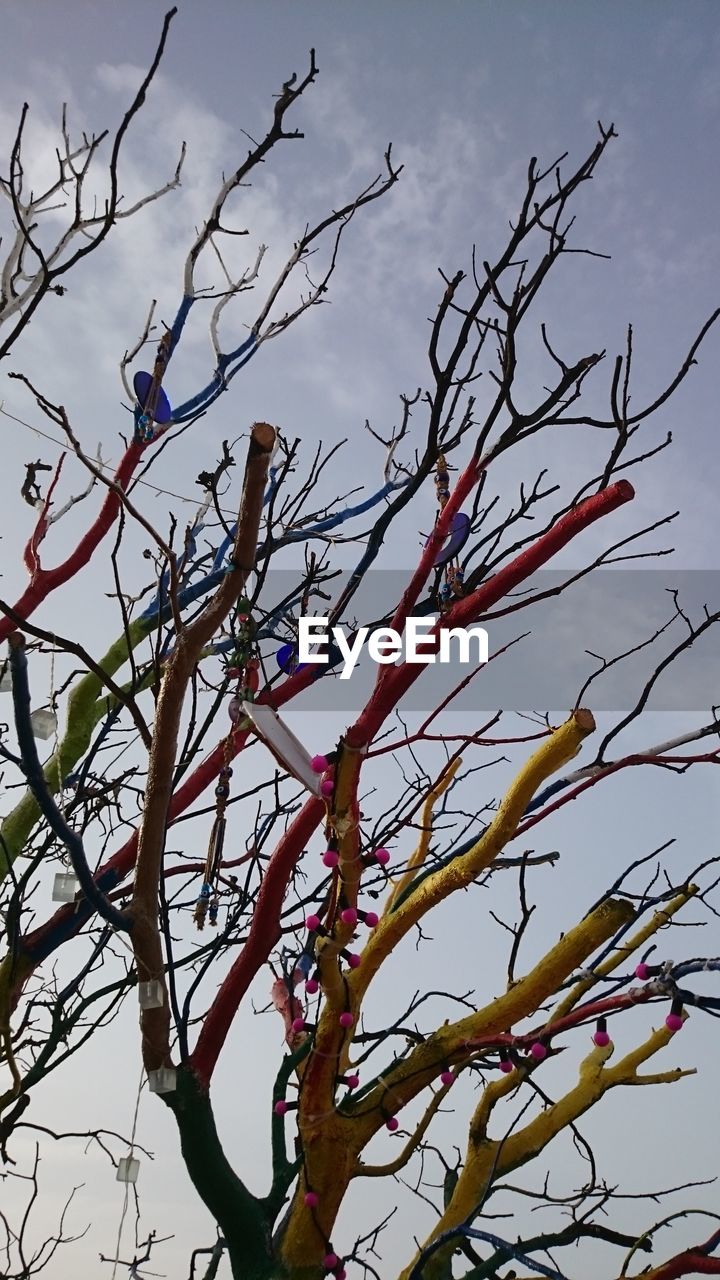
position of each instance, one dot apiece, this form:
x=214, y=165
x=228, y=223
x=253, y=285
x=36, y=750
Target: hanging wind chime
x=242, y=667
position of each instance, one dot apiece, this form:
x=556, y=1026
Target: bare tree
x=148, y=750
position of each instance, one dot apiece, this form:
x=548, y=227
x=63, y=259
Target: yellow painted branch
x=486, y=1160
x=394, y=1166
x=552, y=754
x=450, y=1042
x=624, y=951
x=417, y=858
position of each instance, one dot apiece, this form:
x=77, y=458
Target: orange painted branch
x=263, y=936
x=397, y=680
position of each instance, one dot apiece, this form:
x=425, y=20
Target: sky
x=466, y=92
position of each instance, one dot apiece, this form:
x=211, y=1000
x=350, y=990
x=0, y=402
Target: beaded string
x=453, y=574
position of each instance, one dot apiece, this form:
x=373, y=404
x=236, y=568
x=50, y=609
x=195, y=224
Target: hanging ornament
x=674, y=1020
x=458, y=535
x=601, y=1037
x=153, y=406
x=283, y=744
x=161, y=412
x=128, y=1169
x=44, y=723
x=65, y=887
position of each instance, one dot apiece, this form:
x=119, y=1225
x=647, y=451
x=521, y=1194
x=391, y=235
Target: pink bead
x=341, y=1275
x=601, y=1038
x=642, y=972
x=352, y=1082
x=312, y=986
x=346, y=1020
x=674, y=1022
x=354, y=960
x=319, y=764
x=538, y=1051
x=447, y=1077
x=327, y=786
x=349, y=915
x=382, y=856
x=331, y=857
x=298, y=1024
x=392, y=1124
x=506, y=1066
x=330, y=1261
x=371, y=919
x=312, y=1200
x=281, y=1108
x=312, y=923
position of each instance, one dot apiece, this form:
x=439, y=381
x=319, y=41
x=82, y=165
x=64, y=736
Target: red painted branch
x=584, y=1014
x=464, y=486
x=692, y=1262
x=263, y=936
x=397, y=680
x=44, y=581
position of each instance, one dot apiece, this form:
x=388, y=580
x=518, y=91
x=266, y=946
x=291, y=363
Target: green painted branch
x=238, y=1214
x=85, y=708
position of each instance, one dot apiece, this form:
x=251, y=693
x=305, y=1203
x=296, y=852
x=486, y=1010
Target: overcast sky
x=466, y=92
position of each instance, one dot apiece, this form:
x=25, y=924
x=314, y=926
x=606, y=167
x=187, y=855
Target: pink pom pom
x=601, y=1038
x=330, y=1261
x=312, y=986
x=352, y=1082
x=331, y=857
x=298, y=1024
x=319, y=764
x=312, y=923
x=346, y=1020
x=327, y=786
x=371, y=919
x=506, y=1066
x=447, y=1077
x=674, y=1022
x=538, y=1051
x=349, y=915
x=341, y=1275
x=382, y=856
x=281, y=1108
x=642, y=972
x=392, y=1124
x=354, y=960
x=312, y=1200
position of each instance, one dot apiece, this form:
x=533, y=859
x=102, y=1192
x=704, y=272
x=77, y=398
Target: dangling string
x=243, y=667
x=126, y=1197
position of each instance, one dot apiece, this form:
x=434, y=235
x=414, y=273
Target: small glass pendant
x=44, y=723
x=65, y=887
x=164, y=1080
x=5, y=679
x=128, y=1169
x=150, y=994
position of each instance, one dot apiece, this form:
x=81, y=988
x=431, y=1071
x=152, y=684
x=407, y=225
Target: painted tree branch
x=155, y=1023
